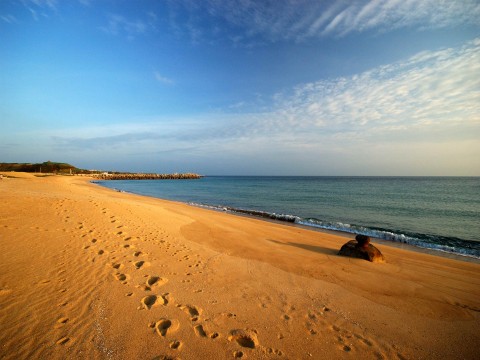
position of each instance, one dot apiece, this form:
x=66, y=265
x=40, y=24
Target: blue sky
x=385, y=87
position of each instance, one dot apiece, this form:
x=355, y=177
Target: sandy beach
x=91, y=273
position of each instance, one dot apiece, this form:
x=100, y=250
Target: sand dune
x=90, y=273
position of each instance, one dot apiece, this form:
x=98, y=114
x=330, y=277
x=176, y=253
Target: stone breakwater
x=129, y=176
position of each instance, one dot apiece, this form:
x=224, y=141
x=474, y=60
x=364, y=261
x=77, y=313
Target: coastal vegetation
x=49, y=167
x=45, y=167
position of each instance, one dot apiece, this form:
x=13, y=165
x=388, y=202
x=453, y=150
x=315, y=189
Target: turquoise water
x=441, y=213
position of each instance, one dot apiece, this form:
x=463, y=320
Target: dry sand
x=90, y=273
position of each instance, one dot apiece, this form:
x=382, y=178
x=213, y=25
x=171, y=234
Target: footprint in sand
x=153, y=300
x=121, y=277
x=116, y=265
x=175, y=345
x=193, y=311
x=148, y=301
x=166, y=326
x=153, y=281
x=156, y=280
x=199, y=331
x=245, y=338
x=140, y=264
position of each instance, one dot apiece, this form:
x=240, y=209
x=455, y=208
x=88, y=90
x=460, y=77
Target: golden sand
x=90, y=273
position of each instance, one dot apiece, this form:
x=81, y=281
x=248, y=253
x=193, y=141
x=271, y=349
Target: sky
x=243, y=87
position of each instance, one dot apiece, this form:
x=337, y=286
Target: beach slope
x=90, y=273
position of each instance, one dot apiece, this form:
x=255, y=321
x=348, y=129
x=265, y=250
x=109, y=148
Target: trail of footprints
x=154, y=299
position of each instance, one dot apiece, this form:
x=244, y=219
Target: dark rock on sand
x=362, y=249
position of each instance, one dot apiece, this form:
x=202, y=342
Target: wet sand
x=87, y=272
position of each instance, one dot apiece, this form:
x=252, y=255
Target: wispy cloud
x=431, y=90
x=8, y=18
x=40, y=8
x=52, y=4
x=162, y=79
x=121, y=25
x=393, y=14
x=280, y=20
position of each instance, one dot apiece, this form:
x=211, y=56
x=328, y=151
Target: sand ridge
x=88, y=272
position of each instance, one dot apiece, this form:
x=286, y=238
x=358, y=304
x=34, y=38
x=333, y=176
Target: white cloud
x=436, y=90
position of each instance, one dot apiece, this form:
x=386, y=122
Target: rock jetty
x=142, y=176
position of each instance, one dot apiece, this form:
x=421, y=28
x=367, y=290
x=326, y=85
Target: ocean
x=439, y=213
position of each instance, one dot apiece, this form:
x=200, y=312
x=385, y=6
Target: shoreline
x=349, y=235
x=88, y=272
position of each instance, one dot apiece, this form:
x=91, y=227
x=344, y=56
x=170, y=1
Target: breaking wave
x=440, y=243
